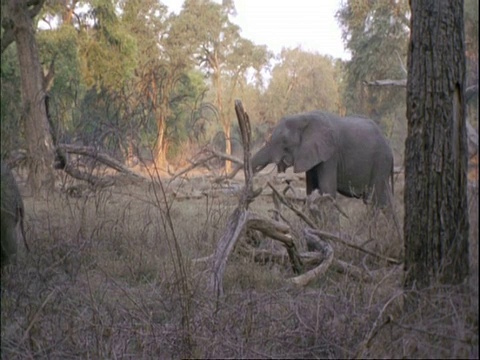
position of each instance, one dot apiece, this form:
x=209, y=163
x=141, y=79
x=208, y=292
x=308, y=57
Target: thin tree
x=436, y=212
x=17, y=22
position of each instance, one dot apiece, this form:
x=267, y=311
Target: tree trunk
x=224, y=121
x=159, y=152
x=228, y=146
x=436, y=212
x=37, y=130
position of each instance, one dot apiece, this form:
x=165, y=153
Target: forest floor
x=110, y=275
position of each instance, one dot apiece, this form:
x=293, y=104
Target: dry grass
x=109, y=276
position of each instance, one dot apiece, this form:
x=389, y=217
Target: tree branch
x=386, y=82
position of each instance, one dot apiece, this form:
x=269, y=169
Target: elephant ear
x=317, y=144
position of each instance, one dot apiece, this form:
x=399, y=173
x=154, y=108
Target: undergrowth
x=110, y=275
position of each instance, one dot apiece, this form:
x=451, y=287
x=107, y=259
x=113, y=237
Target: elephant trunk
x=261, y=159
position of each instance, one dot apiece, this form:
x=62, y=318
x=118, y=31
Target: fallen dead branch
x=229, y=176
x=205, y=155
x=93, y=180
x=224, y=156
x=345, y=242
x=309, y=276
x=323, y=234
x=315, y=273
x=101, y=157
x=278, y=231
x=192, y=166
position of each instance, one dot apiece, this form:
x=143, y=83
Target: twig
x=37, y=313
x=356, y=247
x=375, y=328
x=328, y=235
x=192, y=166
x=410, y=328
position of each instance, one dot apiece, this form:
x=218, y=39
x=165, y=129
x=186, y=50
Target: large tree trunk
x=224, y=121
x=436, y=213
x=37, y=130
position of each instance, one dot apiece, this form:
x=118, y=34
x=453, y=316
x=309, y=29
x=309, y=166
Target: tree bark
x=436, y=213
x=37, y=129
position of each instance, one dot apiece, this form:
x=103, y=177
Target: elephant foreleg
x=311, y=178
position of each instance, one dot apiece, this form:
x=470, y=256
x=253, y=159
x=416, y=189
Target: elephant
x=345, y=154
x=12, y=215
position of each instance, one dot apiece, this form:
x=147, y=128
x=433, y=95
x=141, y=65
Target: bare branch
x=349, y=244
x=387, y=82
x=224, y=156
x=237, y=220
x=402, y=65
x=192, y=166
x=101, y=157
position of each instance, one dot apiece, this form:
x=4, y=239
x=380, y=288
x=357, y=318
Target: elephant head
x=301, y=141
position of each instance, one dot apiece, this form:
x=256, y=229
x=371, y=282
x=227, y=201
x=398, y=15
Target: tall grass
x=110, y=276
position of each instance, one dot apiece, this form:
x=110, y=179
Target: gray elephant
x=12, y=213
x=345, y=154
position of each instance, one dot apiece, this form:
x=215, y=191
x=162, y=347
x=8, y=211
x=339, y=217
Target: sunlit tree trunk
x=224, y=120
x=160, y=109
x=159, y=151
x=37, y=132
x=436, y=212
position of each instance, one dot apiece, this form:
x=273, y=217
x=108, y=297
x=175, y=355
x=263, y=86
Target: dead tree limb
x=328, y=235
x=192, y=166
x=387, y=82
x=341, y=240
x=296, y=210
x=93, y=180
x=237, y=220
x=278, y=231
x=224, y=156
x=315, y=273
x=232, y=174
x=101, y=157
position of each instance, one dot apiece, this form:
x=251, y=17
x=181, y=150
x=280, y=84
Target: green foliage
x=376, y=33
x=302, y=81
x=10, y=102
x=185, y=101
x=107, y=50
x=60, y=47
x=222, y=52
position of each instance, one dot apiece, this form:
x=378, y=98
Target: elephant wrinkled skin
x=345, y=154
x=12, y=212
